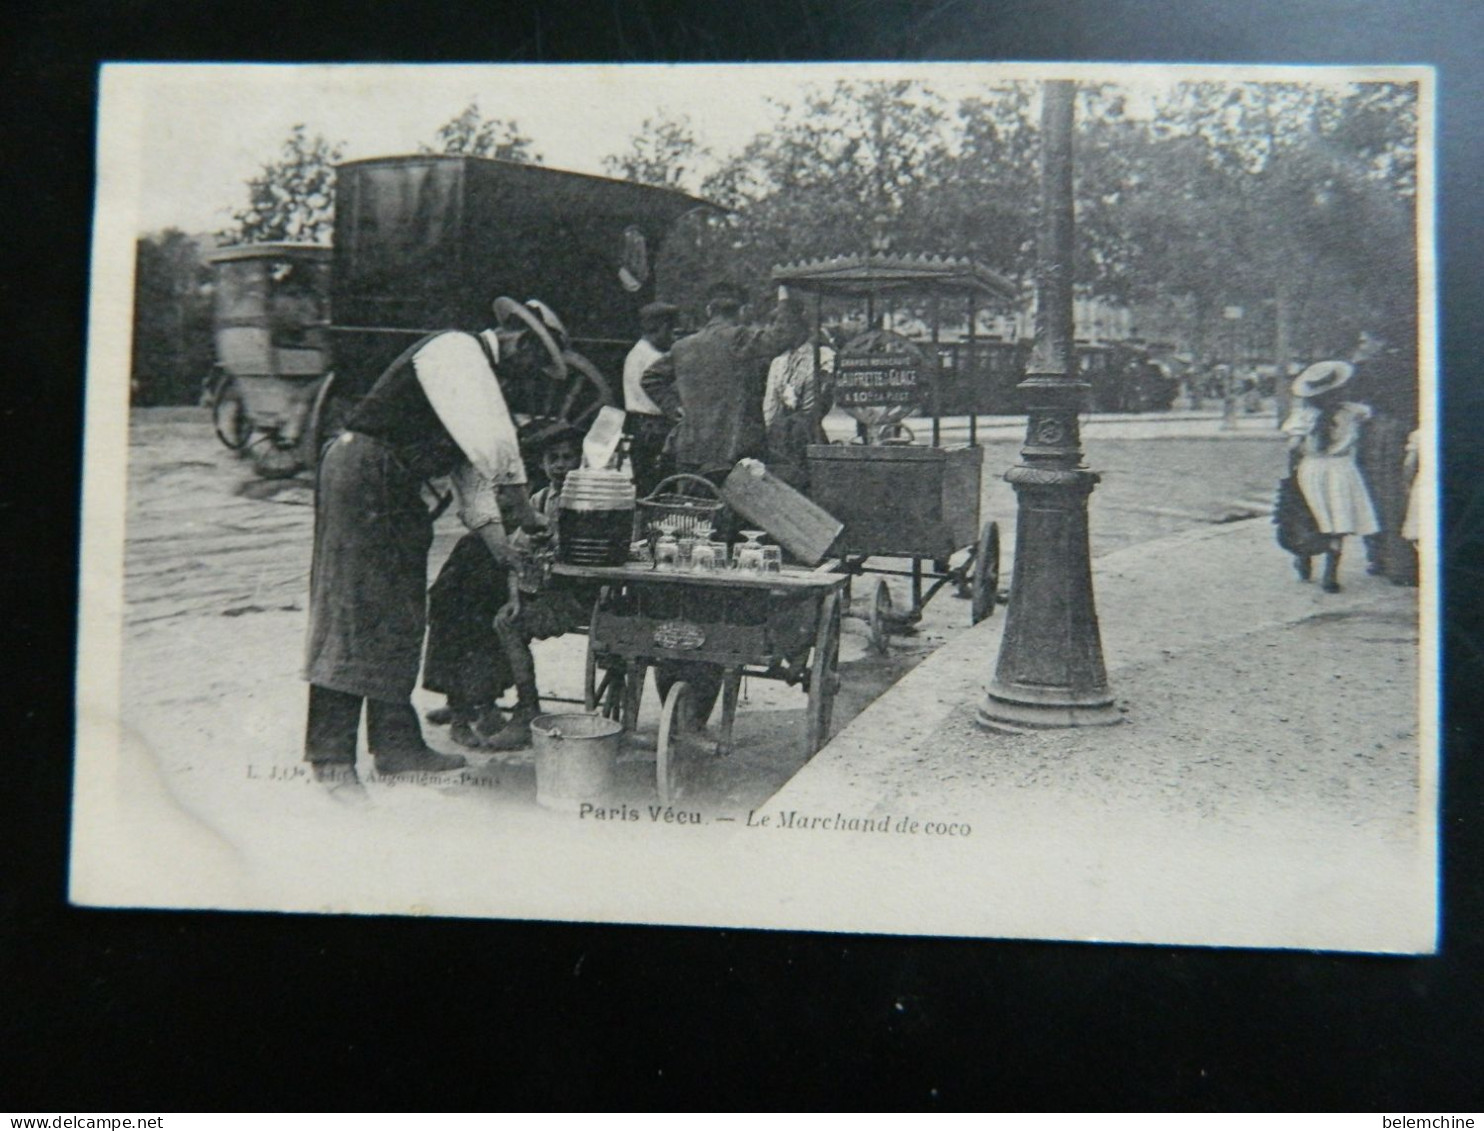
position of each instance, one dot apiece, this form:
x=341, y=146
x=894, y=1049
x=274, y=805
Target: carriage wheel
x=824, y=677
x=577, y=399
x=986, y=573
x=880, y=617
x=327, y=419
x=679, y=753
x=229, y=416
x=270, y=460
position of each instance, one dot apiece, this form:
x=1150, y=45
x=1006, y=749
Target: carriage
x=424, y=243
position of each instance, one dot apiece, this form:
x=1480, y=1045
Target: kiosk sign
x=876, y=380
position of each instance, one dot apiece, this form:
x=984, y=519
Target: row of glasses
x=689, y=554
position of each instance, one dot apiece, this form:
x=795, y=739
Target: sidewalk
x=1175, y=423
x=1265, y=784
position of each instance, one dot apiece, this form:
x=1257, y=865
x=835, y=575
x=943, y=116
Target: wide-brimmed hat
x=1321, y=377
x=535, y=316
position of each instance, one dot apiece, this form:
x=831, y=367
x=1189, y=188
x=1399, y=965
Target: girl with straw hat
x=1324, y=431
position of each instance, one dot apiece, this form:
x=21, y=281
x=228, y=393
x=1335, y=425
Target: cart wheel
x=229, y=415
x=603, y=686
x=824, y=677
x=327, y=419
x=577, y=399
x=986, y=573
x=880, y=617
x=678, y=754
x=270, y=460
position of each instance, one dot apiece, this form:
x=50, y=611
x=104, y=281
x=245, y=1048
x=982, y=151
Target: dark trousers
x=464, y=658
x=335, y=718
x=1381, y=456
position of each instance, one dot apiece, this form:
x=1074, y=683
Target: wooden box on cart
x=899, y=500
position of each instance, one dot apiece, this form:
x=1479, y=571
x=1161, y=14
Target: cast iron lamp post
x=1050, y=671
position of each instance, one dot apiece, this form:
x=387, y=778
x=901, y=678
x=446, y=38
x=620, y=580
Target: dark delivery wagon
x=426, y=243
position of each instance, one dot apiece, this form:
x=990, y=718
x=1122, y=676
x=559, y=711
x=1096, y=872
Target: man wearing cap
x=647, y=425
x=440, y=410
x=712, y=383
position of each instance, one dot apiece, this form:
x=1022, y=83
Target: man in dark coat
x=1386, y=380
x=440, y=410
x=712, y=383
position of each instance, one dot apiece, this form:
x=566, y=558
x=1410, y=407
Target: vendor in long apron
x=442, y=409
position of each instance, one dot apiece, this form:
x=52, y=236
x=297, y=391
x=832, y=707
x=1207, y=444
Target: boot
x=516, y=733
x=1331, y=582
x=475, y=731
x=1305, y=567
x=396, y=742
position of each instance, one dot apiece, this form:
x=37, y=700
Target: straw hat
x=1321, y=377
x=535, y=316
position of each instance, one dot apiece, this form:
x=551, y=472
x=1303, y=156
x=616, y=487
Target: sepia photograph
x=948, y=499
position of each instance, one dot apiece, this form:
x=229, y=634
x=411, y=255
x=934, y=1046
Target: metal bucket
x=576, y=759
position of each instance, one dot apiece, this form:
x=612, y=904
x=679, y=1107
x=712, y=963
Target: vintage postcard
x=947, y=499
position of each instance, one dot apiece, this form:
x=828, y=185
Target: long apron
x=368, y=581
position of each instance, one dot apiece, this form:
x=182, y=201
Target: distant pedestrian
x=1412, y=523
x=1324, y=432
x=646, y=425
x=1386, y=380
x=789, y=407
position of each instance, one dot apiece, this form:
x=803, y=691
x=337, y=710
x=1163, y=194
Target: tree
x=172, y=320
x=852, y=169
x=293, y=198
x=471, y=134
x=664, y=152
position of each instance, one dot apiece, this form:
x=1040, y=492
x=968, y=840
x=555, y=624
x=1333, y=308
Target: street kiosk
x=899, y=498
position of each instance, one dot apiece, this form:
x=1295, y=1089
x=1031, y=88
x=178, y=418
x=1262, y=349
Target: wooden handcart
x=779, y=626
x=898, y=498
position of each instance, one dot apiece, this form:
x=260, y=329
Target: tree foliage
x=172, y=348
x=293, y=198
x=471, y=134
x=1294, y=202
x=665, y=152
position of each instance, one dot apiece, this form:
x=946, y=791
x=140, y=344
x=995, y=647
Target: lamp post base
x=1010, y=712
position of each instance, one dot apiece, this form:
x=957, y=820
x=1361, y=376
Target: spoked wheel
x=986, y=586
x=327, y=419
x=271, y=460
x=229, y=416
x=603, y=686
x=680, y=754
x=577, y=399
x=879, y=619
x=824, y=675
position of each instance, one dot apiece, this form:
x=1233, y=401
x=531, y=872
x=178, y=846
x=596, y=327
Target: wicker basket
x=693, y=516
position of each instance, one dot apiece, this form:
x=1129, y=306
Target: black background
x=152, y=1011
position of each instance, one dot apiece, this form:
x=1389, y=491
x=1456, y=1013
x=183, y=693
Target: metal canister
x=596, y=519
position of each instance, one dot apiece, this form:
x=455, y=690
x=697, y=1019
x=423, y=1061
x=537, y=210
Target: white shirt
x=456, y=378
x=789, y=387
x=640, y=358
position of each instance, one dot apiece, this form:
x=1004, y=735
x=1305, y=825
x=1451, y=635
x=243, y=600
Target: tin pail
x=576, y=759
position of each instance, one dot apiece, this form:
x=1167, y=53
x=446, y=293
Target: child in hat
x=1324, y=431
